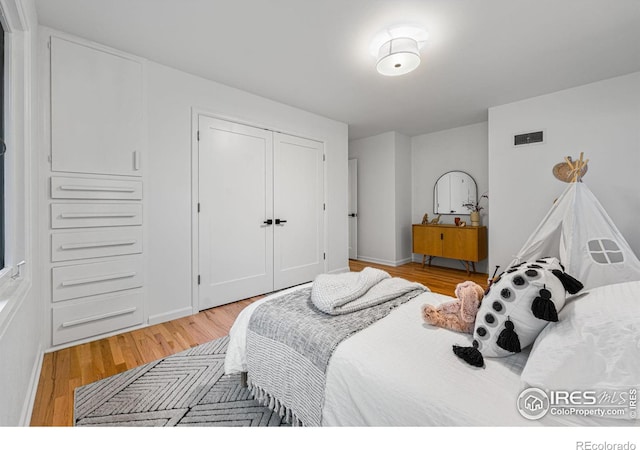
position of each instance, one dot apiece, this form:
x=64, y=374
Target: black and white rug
x=185, y=389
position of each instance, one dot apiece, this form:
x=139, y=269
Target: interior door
x=236, y=202
x=353, y=209
x=298, y=192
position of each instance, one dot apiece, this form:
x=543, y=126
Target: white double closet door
x=261, y=219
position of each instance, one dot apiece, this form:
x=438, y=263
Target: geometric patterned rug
x=185, y=389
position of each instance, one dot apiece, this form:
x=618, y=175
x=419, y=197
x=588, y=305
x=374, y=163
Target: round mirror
x=452, y=191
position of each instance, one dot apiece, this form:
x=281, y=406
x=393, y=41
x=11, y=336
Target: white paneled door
x=261, y=218
x=353, y=209
x=298, y=195
x=236, y=199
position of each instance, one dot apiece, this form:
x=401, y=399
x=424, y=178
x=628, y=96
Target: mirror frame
x=462, y=209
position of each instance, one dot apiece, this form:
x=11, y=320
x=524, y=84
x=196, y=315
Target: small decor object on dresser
x=435, y=221
x=475, y=209
x=475, y=218
x=457, y=221
x=425, y=219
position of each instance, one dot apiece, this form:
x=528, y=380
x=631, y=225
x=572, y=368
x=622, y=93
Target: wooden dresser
x=467, y=244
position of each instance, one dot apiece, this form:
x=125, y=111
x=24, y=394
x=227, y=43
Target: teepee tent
x=579, y=232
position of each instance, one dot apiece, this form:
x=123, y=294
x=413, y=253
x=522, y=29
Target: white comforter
x=402, y=372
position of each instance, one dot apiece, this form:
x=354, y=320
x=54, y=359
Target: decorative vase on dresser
x=475, y=218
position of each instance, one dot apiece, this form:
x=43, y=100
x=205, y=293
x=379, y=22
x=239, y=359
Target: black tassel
x=470, y=355
x=571, y=285
x=543, y=308
x=508, y=338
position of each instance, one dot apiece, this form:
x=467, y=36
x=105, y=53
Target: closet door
x=298, y=192
x=96, y=110
x=236, y=199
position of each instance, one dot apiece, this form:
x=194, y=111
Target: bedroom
x=594, y=109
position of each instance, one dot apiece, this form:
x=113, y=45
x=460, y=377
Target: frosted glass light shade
x=398, y=56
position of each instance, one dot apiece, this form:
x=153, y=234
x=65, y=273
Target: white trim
x=384, y=262
x=18, y=174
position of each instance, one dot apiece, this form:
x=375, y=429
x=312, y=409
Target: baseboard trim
x=175, y=314
x=27, y=411
x=383, y=262
x=340, y=270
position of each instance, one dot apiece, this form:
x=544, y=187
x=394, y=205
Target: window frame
x=19, y=220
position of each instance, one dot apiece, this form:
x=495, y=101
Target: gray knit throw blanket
x=289, y=344
x=352, y=291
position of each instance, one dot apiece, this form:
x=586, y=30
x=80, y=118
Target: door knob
x=353, y=215
x=279, y=221
x=268, y=222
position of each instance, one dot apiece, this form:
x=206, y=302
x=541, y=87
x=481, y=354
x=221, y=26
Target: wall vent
x=534, y=137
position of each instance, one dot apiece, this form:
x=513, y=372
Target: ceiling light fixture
x=397, y=49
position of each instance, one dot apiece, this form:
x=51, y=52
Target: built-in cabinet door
x=235, y=248
x=96, y=110
x=298, y=196
x=427, y=240
x=458, y=243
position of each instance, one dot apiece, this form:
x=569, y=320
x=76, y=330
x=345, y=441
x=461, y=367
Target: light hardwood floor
x=66, y=369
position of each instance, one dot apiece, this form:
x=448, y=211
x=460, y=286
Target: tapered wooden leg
x=424, y=257
x=473, y=264
x=243, y=379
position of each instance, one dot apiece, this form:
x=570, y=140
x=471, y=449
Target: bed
x=400, y=371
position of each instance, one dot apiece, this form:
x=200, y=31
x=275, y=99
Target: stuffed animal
x=517, y=307
x=459, y=314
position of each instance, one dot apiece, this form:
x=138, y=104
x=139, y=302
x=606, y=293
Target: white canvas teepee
x=579, y=232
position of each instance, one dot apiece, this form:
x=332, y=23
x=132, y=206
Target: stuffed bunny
x=457, y=315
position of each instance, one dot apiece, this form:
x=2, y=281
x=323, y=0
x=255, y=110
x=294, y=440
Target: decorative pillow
x=519, y=304
x=595, y=345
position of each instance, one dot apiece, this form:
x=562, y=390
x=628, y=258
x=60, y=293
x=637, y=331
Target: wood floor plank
x=65, y=369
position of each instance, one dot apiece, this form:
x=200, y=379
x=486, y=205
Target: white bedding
x=402, y=372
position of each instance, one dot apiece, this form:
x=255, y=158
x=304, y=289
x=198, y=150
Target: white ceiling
x=314, y=54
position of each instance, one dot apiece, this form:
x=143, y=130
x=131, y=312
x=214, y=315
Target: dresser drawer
x=100, y=315
x=93, y=188
x=80, y=215
x=83, y=280
x=72, y=245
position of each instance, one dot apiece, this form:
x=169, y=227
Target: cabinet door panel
x=96, y=110
x=460, y=243
x=427, y=240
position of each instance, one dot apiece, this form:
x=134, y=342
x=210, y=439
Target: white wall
x=433, y=154
x=384, y=198
x=600, y=119
x=171, y=96
x=403, y=198
x=21, y=305
x=376, y=197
